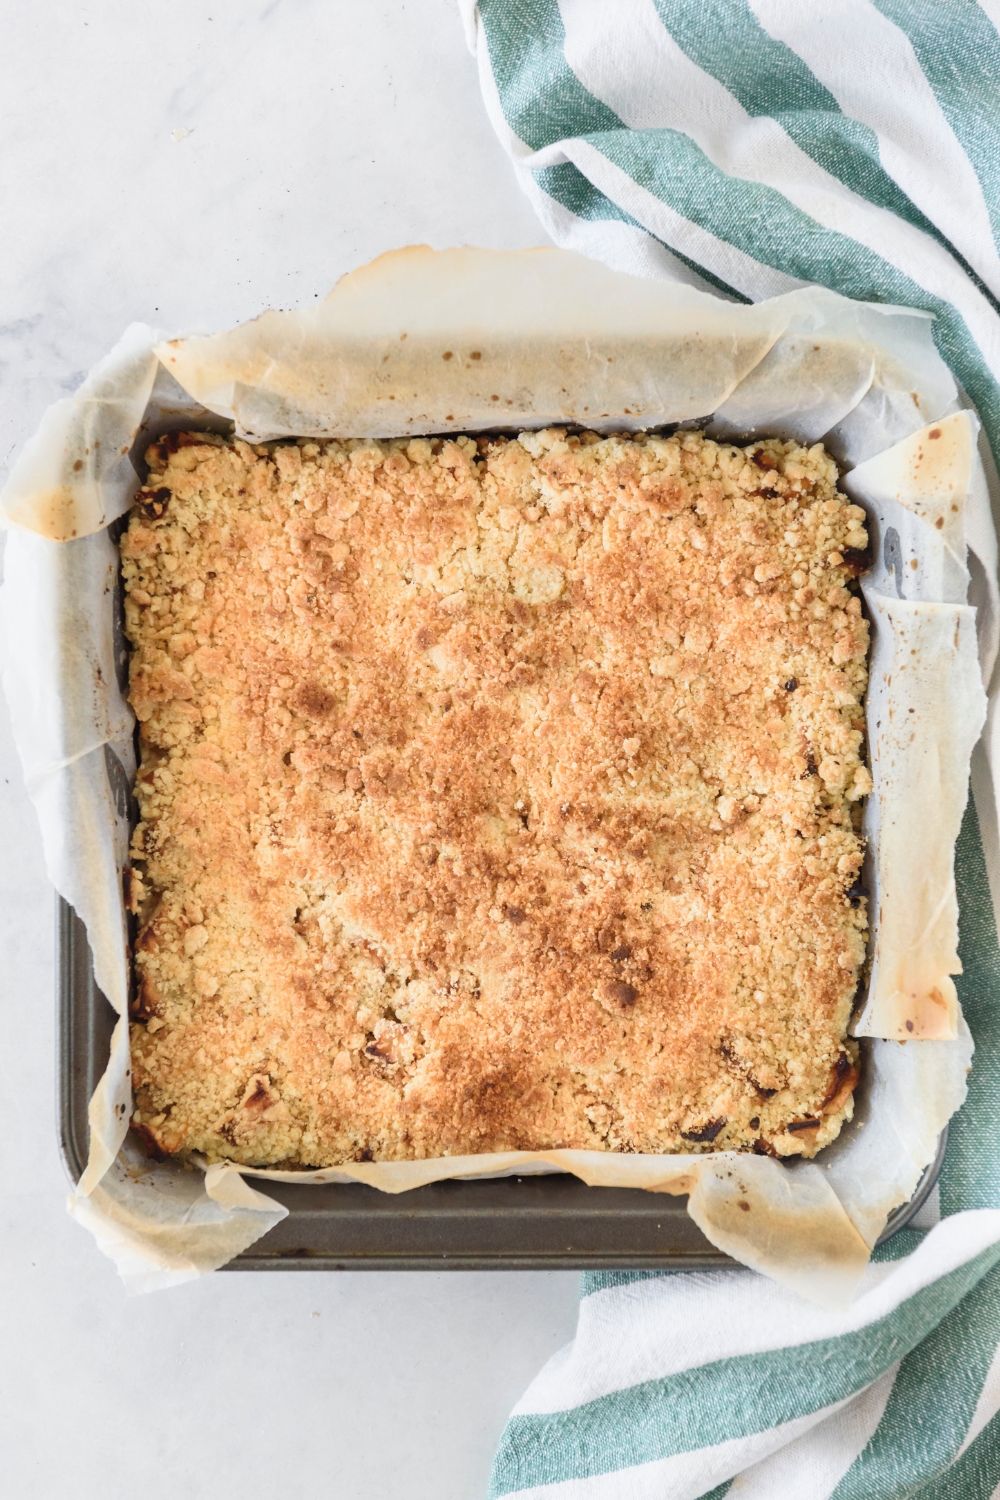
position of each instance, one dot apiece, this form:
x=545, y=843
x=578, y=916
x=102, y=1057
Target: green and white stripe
x=747, y=147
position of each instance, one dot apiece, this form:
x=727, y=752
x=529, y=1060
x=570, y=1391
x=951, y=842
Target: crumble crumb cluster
x=495, y=794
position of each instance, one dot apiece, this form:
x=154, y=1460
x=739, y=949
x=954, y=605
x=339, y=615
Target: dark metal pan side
x=554, y=1222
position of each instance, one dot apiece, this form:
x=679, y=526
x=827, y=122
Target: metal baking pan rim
x=85, y=1021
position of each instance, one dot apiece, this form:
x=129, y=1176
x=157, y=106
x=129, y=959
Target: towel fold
x=748, y=147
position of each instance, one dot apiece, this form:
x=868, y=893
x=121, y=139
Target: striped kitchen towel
x=747, y=147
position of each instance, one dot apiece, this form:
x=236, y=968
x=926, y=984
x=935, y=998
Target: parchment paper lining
x=467, y=340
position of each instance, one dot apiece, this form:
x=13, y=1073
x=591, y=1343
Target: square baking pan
x=552, y=1222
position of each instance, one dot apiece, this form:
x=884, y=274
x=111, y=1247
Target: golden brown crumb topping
x=495, y=794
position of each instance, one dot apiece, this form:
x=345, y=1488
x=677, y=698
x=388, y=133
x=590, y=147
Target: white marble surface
x=321, y=133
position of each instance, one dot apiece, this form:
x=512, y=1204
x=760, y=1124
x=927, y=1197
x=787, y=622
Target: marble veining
x=187, y=166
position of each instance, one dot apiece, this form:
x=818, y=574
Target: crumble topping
x=495, y=794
